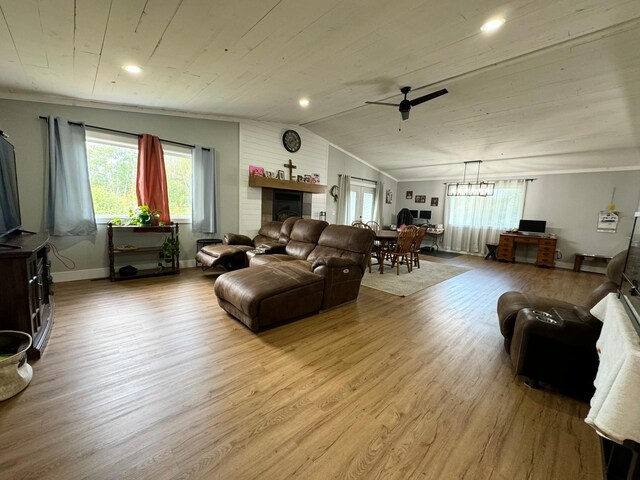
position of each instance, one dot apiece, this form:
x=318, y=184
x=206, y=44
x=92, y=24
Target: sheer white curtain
x=471, y=222
x=204, y=204
x=344, y=192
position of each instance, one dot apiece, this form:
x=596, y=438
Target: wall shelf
x=286, y=184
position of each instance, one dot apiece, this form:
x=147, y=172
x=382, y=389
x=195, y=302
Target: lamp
x=471, y=189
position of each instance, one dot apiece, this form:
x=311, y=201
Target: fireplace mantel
x=286, y=184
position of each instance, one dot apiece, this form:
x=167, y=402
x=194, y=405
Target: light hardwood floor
x=151, y=379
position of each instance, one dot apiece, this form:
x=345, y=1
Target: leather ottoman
x=262, y=296
x=555, y=348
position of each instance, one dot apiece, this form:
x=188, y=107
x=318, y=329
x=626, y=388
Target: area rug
x=429, y=274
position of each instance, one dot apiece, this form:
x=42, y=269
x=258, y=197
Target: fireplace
x=282, y=204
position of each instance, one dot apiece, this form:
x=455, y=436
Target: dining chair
x=373, y=225
x=377, y=246
x=401, y=251
x=360, y=224
x=415, y=247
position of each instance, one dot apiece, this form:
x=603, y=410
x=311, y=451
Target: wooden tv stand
x=546, y=255
x=26, y=301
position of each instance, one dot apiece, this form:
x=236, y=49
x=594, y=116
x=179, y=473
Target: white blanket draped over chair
x=615, y=412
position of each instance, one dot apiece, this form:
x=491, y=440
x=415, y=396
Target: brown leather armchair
x=510, y=303
x=552, y=341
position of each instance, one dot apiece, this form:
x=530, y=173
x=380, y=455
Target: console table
x=114, y=251
x=546, y=254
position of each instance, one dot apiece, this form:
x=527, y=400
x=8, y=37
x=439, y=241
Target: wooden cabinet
x=119, y=249
x=545, y=255
x=26, y=301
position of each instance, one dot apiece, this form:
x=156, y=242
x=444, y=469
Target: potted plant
x=141, y=216
x=169, y=249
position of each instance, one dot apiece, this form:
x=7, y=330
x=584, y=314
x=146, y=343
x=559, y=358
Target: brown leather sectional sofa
x=318, y=267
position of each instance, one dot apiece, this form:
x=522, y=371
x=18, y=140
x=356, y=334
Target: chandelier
x=471, y=189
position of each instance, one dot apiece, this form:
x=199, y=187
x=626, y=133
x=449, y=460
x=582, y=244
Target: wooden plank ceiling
x=556, y=89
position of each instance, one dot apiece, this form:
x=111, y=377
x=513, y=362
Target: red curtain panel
x=152, y=179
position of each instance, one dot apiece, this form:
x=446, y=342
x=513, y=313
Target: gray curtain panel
x=344, y=190
x=204, y=206
x=69, y=205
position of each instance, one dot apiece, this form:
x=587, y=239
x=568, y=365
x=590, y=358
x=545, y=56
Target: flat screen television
x=414, y=213
x=532, y=226
x=426, y=214
x=9, y=201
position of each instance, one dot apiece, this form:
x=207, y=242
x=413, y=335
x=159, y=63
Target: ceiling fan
x=405, y=105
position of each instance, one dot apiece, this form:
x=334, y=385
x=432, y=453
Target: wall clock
x=291, y=141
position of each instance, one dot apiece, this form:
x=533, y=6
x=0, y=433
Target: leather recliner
x=510, y=303
x=272, y=237
x=553, y=342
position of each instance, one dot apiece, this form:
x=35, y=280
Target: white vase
x=15, y=372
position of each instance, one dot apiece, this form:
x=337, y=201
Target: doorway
x=361, y=202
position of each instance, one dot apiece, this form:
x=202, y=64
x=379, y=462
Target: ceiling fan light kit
x=471, y=189
x=405, y=105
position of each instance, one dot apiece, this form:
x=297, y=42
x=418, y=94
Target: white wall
x=19, y=119
x=343, y=163
x=261, y=146
x=568, y=202
x=431, y=189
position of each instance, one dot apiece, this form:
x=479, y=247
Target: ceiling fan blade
x=383, y=103
x=430, y=96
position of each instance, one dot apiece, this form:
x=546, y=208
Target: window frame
x=97, y=136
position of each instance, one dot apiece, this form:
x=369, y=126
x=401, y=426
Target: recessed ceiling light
x=304, y=102
x=132, y=68
x=492, y=25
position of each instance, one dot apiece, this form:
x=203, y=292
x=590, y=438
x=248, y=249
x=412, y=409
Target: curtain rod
x=122, y=132
x=362, y=179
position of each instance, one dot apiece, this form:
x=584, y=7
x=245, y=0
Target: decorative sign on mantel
x=280, y=175
x=266, y=182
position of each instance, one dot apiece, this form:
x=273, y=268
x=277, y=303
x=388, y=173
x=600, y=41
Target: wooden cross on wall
x=290, y=166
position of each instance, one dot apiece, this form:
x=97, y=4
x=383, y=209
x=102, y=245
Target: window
x=471, y=222
x=113, y=164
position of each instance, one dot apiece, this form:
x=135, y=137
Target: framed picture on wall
x=409, y=195
x=421, y=199
x=434, y=201
x=389, y=196
x=280, y=174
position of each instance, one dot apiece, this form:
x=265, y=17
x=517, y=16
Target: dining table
x=384, y=237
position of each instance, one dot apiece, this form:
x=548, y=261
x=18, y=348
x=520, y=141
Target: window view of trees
x=112, y=174
x=178, y=168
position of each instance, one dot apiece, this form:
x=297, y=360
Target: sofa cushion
x=287, y=226
x=257, y=260
x=304, y=237
x=343, y=241
x=266, y=295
